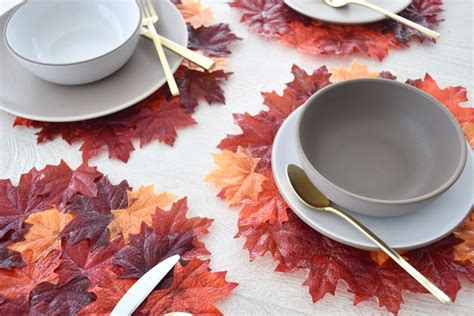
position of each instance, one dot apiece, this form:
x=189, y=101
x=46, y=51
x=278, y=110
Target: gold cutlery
x=149, y=18
x=309, y=195
x=418, y=27
x=200, y=60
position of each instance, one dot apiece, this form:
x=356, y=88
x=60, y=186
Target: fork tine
x=150, y=7
x=140, y=6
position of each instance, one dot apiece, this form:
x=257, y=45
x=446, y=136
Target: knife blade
x=139, y=291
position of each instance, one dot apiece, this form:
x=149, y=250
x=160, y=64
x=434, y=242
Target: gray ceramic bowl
x=379, y=147
x=75, y=41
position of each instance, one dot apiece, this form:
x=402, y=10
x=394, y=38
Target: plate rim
x=124, y=105
x=294, y=7
x=365, y=244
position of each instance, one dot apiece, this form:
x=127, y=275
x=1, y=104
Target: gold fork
x=149, y=18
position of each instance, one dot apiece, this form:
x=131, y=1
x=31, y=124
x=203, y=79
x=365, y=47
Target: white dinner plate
x=350, y=14
x=414, y=230
x=25, y=95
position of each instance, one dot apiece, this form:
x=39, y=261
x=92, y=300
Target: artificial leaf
x=20, y=281
x=17, y=306
x=270, y=207
x=194, y=14
x=357, y=70
x=80, y=259
x=174, y=221
x=93, y=214
x=236, y=176
x=196, y=85
x=44, y=234
x=212, y=40
x=38, y=190
x=10, y=259
x=257, y=136
x=108, y=293
x=423, y=12
x=465, y=232
x=195, y=289
x=146, y=249
x=65, y=299
x=141, y=205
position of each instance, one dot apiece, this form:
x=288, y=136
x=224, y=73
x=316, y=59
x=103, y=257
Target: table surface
x=258, y=65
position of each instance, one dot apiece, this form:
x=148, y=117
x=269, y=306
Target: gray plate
x=350, y=14
x=25, y=95
x=425, y=226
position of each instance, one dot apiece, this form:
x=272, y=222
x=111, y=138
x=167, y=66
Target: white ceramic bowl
x=73, y=41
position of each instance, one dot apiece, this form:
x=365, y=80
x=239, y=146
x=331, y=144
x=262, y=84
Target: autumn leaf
x=196, y=85
x=80, y=259
x=194, y=14
x=214, y=40
x=141, y=205
x=20, y=281
x=357, y=70
x=174, y=221
x=146, y=249
x=93, y=214
x=220, y=63
x=108, y=293
x=195, y=289
x=236, y=176
x=465, y=232
x=66, y=299
x=379, y=257
x=44, y=234
x=10, y=259
x=18, y=306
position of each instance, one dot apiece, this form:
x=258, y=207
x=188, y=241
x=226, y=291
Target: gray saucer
x=427, y=225
x=23, y=94
x=350, y=14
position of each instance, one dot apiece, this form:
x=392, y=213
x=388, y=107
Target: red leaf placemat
x=159, y=116
x=245, y=178
x=72, y=242
x=274, y=19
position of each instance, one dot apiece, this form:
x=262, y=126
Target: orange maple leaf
x=465, y=250
x=17, y=282
x=43, y=236
x=236, y=176
x=194, y=290
x=194, y=14
x=220, y=63
x=141, y=205
x=357, y=70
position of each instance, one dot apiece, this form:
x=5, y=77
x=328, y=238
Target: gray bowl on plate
x=379, y=147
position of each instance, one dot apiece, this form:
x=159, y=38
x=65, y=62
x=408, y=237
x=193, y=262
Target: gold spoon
x=311, y=197
x=418, y=27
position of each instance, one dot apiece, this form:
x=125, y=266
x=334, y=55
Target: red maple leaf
x=147, y=249
x=195, y=85
x=108, y=293
x=174, y=221
x=10, y=259
x=423, y=12
x=81, y=260
x=39, y=190
x=65, y=299
x=212, y=40
x=195, y=289
x=18, y=306
x=93, y=213
x=266, y=17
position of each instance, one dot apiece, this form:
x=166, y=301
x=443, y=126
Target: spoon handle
x=427, y=284
x=400, y=19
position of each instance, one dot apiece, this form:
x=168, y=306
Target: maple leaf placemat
x=244, y=176
x=71, y=242
x=274, y=19
x=159, y=116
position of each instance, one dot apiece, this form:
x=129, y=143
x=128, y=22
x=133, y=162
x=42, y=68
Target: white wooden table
x=258, y=65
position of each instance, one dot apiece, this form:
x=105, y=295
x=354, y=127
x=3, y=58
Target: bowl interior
x=71, y=31
x=382, y=140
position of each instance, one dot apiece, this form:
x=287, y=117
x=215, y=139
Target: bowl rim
x=446, y=185
x=20, y=56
